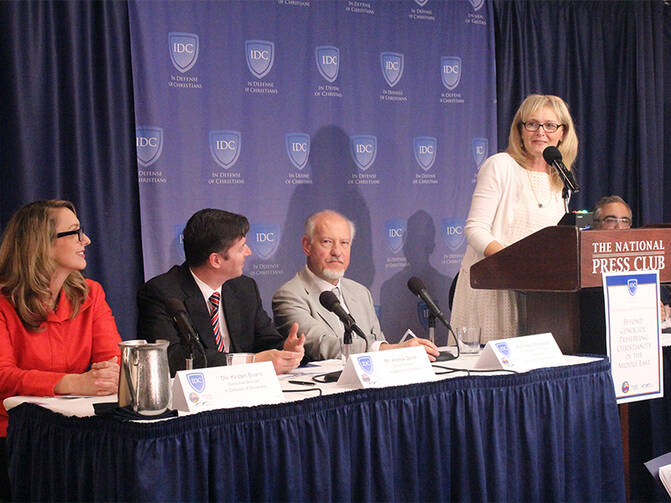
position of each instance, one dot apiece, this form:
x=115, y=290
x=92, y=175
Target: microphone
x=330, y=301
x=417, y=287
x=553, y=157
x=177, y=312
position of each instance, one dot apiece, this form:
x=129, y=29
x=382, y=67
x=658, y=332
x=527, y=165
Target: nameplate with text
x=521, y=354
x=393, y=367
x=226, y=387
x=633, y=330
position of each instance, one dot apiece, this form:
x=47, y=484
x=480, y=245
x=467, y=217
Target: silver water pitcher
x=144, y=380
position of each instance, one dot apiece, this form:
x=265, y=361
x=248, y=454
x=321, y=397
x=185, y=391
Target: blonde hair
x=26, y=265
x=569, y=144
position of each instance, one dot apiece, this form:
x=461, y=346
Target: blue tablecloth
x=546, y=435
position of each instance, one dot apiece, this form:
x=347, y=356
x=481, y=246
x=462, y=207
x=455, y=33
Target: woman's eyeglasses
x=79, y=232
x=548, y=127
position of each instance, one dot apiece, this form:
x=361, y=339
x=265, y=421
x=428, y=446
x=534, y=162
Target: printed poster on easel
x=633, y=330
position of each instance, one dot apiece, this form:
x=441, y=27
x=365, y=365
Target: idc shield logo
x=225, y=147
x=148, y=144
x=392, y=67
x=196, y=381
x=364, y=150
x=328, y=61
x=480, y=150
x=450, y=71
x=298, y=148
x=632, y=286
x=183, y=50
x=178, y=230
x=477, y=4
x=265, y=239
x=422, y=3
x=260, y=55
x=452, y=230
x=425, y=151
x=395, y=230
x=366, y=363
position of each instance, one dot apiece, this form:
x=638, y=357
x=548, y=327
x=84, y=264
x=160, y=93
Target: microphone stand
x=432, y=327
x=347, y=343
x=188, y=350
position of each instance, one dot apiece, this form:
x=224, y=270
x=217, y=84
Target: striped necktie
x=214, y=320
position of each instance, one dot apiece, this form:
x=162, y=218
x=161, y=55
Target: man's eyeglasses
x=611, y=222
x=79, y=232
x=548, y=127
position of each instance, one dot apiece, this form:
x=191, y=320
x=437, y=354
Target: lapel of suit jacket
x=232, y=316
x=197, y=308
x=313, y=293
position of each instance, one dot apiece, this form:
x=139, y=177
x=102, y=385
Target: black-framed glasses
x=611, y=222
x=79, y=232
x=548, y=127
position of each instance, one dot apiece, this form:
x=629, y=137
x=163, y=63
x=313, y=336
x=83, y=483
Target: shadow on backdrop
x=400, y=308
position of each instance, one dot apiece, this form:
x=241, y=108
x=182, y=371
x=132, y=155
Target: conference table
x=550, y=434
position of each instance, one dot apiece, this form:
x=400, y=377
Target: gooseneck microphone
x=177, y=311
x=553, y=157
x=330, y=301
x=417, y=287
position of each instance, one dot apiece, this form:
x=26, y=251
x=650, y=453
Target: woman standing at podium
x=57, y=333
x=517, y=193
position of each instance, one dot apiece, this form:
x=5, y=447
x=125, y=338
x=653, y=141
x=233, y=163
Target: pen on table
x=303, y=383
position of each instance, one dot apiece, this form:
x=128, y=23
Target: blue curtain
x=606, y=60
x=67, y=130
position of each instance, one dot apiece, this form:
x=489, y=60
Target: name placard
x=226, y=387
x=387, y=368
x=523, y=353
x=633, y=332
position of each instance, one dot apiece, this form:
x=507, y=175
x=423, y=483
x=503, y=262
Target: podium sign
x=633, y=334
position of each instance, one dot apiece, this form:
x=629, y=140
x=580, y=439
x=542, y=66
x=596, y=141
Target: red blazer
x=32, y=363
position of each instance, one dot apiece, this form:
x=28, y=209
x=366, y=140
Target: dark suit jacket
x=250, y=328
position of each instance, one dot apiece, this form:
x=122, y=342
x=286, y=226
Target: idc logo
x=395, y=230
x=196, y=381
x=632, y=286
x=422, y=3
x=260, y=55
x=225, y=147
x=183, y=50
x=480, y=150
x=425, y=151
x=392, y=67
x=298, y=148
x=477, y=4
x=452, y=230
x=178, y=231
x=364, y=150
x=265, y=239
x=148, y=144
x=450, y=71
x=328, y=61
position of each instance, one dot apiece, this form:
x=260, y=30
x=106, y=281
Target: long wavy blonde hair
x=569, y=145
x=26, y=264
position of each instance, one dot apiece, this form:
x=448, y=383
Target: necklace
x=533, y=191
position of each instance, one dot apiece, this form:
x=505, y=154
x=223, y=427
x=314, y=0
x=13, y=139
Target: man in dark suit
x=224, y=306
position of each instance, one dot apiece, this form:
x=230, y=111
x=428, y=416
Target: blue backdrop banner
x=383, y=111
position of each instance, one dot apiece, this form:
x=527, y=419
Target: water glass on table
x=469, y=340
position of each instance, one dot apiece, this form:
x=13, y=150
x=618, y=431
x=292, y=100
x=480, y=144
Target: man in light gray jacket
x=327, y=243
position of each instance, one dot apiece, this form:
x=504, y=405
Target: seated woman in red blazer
x=57, y=333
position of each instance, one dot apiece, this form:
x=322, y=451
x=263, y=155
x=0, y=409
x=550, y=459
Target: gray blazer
x=298, y=301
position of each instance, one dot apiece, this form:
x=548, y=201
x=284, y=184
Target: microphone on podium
x=553, y=157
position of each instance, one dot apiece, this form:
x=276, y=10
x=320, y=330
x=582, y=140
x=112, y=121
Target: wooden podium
x=553, y=265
